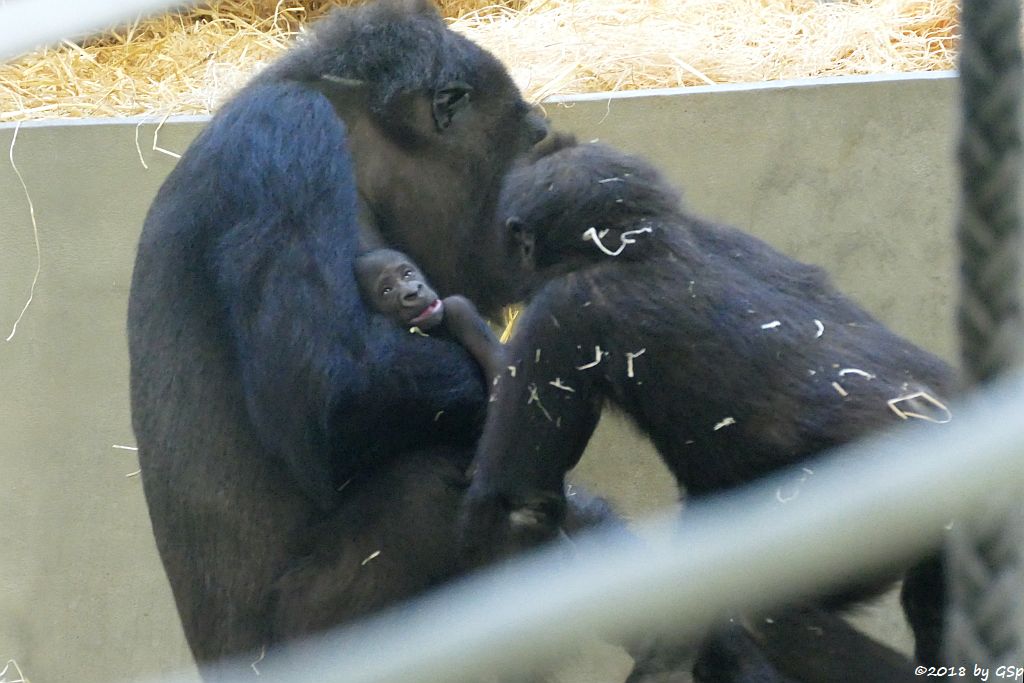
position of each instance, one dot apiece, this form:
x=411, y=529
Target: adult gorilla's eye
x=407, y=274
x=385, y=291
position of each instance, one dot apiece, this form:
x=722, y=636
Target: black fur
x=708, y=340
x=271, y=407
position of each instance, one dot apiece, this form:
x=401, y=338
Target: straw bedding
x=187, y=62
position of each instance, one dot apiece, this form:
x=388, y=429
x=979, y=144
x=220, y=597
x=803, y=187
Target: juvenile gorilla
x=734, y=359
x=395, y=287
x=294, y=471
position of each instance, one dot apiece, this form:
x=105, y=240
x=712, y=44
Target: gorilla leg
x=398, y=526
x=221, y=551
x=806, y=643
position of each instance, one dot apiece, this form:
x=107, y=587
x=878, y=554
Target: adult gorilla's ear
x=448, y=102
x=349, y=97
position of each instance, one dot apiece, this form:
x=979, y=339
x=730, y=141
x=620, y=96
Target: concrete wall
x=852, y=174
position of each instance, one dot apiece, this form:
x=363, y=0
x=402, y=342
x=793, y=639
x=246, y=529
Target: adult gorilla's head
x=434, y=124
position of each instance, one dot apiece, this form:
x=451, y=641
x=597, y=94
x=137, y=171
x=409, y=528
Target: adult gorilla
x=303, y=458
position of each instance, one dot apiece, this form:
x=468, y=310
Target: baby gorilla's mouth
x=427, y=313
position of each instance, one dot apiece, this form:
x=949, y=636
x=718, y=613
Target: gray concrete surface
x=853, y=174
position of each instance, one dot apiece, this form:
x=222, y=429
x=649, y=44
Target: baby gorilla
x=735, y=360
x=394, y=286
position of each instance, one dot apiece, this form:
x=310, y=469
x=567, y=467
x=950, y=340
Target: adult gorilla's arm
x=321, y=375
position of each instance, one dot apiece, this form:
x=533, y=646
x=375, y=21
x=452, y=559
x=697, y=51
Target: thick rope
x=990, y=162
x=985, y=615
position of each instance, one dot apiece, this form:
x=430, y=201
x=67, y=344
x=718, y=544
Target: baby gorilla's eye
x=385, y=291
x=407, y=274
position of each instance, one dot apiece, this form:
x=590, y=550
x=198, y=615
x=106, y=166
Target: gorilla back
x=735, y=359
x=260, y=384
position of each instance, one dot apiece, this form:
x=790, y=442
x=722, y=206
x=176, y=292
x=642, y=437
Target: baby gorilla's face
x=396, y=287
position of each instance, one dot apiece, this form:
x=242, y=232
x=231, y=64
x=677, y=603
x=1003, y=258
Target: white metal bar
x=28, y=24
